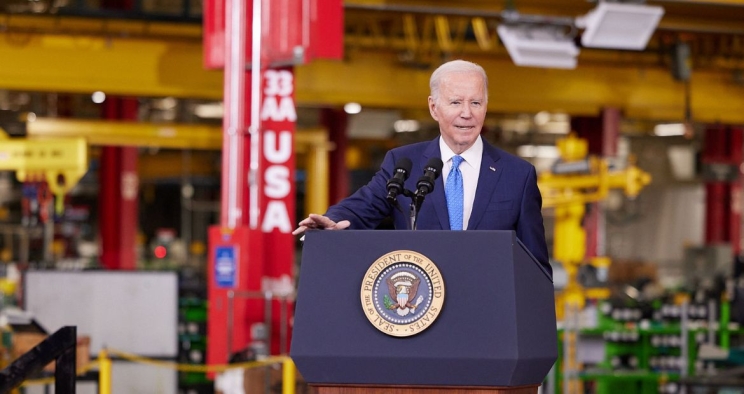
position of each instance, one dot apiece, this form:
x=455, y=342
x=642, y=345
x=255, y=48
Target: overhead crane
x=60, y=162
x=57, y=149
x=574, y=181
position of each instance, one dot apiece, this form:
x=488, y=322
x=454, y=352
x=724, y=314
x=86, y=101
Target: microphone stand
x=413, y=211
x=417, y=199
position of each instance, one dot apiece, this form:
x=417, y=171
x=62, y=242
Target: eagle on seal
x=403, y=287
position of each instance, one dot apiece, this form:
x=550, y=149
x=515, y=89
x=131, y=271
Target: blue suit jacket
x=507, y=198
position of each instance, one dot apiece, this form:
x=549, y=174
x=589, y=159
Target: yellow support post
x=288, y=376
x=104, y=372
x=568, y=191
x=314, y=143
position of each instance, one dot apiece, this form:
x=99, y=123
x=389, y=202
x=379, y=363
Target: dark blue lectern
x=496, y=331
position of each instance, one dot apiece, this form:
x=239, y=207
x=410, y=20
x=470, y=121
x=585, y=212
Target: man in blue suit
x=489, y=189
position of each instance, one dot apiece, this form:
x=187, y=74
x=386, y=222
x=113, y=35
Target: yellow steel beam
x=444, y=37
x=123, y=66
x=482, y=36
x=55, y=24
x=143, y=134
x=171, y=164
x=141, y=67
x=643, y=92
x=124, y=133
x=315, y=144
x=411, y=32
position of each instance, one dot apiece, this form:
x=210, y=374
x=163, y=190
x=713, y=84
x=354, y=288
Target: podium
x=495, y=331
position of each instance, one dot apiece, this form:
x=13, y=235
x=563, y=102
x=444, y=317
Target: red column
x=253, y=248
x=716, y=212
x=235, y=257
x=601, y=133
x=251, y=252
x=336, y=120
x=722, y=158
x=119, y=186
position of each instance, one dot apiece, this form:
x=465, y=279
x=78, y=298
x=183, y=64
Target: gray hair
x=455, y=66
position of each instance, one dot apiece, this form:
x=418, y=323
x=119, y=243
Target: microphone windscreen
x=404, y=163
x=435, y=165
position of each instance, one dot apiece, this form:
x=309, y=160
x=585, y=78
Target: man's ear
x=432, y=107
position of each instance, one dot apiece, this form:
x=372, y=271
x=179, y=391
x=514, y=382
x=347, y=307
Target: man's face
x=460, y=109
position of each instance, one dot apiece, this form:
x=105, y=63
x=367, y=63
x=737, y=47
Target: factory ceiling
x=390, y=50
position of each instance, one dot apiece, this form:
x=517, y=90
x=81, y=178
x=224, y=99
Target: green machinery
x=647, y=350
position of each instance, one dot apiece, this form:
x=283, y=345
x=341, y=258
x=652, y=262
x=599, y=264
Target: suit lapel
x=490, y=172
x=436, y=198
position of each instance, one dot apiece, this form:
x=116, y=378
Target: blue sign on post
x=225, y=266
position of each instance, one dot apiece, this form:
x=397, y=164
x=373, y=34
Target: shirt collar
x=472, y=155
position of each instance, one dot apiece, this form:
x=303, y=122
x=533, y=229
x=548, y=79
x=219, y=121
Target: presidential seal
x=402, y=293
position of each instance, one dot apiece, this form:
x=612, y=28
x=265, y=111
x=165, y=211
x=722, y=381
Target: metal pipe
x=725, y=319
x=267, y=316
x=187, y=193
x=49, y=232
x=268, y=297
x=230, y=318
x=234, y=92
x=283, y=325
x=549, y=386
x=506, y=15
x=422, y=10
x=255, y=128
x=570, y=331
x=725, y=3
x=683, y=346
x=712, y=316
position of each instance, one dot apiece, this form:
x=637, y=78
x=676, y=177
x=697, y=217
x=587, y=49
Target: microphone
x=400, y=174
x=432, y=170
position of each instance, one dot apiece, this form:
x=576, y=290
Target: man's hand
x=315, y=221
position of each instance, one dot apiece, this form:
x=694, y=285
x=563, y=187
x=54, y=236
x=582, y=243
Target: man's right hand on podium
x=315, y=221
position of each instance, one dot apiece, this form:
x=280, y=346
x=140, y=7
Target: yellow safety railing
x=104, y=373
x=104, y=369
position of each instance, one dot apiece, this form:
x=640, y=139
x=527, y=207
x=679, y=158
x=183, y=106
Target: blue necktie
x=454, y=192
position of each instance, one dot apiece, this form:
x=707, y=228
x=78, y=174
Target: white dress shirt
x=470, y=169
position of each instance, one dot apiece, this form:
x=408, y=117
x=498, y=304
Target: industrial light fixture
x=619, y=25
x=213, y=110
x=670, y=129
x=539, y=45
x=406, y=126
x=352, y=108
x=538, y=151
x=98, y=97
